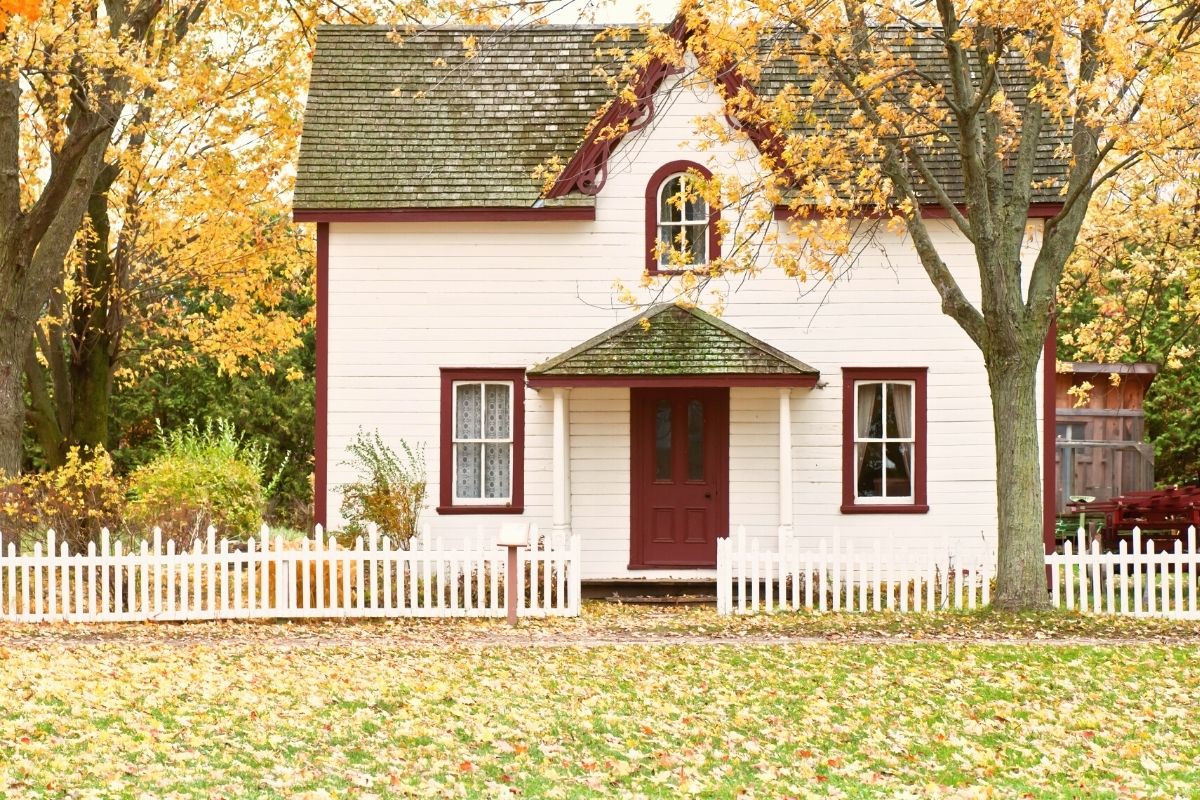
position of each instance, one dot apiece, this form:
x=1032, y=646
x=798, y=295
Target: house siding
x=406, y=299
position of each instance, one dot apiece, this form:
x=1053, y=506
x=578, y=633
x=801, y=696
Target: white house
x=464, y=308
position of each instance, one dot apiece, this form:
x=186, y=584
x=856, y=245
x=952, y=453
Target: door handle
x=708, y=495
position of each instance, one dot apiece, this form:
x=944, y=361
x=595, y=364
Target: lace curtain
x=483, y=468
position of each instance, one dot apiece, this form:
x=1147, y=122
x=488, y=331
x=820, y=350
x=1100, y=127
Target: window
x=884, y=440
x=681, y=230
x=482, y=441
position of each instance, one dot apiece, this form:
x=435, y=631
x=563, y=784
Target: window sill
x=480, y=509
x=885, y=509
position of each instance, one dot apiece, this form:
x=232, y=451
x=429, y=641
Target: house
x=464, y=306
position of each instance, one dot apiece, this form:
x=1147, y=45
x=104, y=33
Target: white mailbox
x=514, y=534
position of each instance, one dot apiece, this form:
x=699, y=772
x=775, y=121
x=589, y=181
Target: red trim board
x=928, y=211
x=500, y=214
x=674, y=381
x=1049, y=436
x=321, y=404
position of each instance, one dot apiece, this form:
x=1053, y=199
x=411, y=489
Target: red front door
x=679, y=498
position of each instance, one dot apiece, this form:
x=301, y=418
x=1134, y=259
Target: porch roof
x=668, y=345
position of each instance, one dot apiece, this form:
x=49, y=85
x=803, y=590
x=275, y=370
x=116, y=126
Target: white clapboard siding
x=1133, y=581
x=273, y=578
x=512, y=294
x=837, y=576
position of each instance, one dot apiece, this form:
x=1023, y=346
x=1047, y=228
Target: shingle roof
x=667, y=340
x=414, y=125
x=475, y=135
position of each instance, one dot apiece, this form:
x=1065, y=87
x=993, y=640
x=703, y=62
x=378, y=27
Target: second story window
x=682, y=223
x=681, y=227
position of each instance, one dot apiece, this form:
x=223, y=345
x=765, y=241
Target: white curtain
x=868, y=395
x=900, y=399
x=483, y=411
x=497, y=464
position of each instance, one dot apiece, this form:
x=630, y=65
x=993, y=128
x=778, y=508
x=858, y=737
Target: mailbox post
x=512, y=536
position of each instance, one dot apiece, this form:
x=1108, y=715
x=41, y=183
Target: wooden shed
x=1100, y=448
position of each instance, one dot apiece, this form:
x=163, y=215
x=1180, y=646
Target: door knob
x=708, y=495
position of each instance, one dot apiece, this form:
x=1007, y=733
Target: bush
x=390, y=490
x=202, y=477
x=76, y=500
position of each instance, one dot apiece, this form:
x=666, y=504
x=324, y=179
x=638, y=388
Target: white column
x=561, y=459
x=786, y=513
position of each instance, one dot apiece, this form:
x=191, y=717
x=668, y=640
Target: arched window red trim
x=652, y=187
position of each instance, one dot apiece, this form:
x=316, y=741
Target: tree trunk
x=1021, y=570
x=12, y=400
x=90, y=367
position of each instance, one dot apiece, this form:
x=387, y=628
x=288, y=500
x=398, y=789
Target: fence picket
x=1193, y=567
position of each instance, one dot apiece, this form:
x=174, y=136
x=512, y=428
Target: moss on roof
x=667, y=339
x=416, y=125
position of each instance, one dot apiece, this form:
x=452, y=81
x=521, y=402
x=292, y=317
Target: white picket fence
x=837, y=577
x=1134, y=580
x=275, y=578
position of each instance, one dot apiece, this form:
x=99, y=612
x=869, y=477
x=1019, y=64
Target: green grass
x=244, y=719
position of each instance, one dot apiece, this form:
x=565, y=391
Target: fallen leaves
x=470, y=708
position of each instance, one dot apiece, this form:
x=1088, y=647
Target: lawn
x=371, y=710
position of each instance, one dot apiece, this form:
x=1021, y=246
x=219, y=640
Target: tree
x=162, y=131
x=186, y=246
x=1118, y=76
x=65, y=78
x=1131, y=292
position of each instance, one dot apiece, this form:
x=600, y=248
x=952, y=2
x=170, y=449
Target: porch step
x=664, y=600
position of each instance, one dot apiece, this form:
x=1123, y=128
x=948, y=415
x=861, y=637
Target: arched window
x=680, y=227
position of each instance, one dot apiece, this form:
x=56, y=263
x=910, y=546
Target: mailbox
x=514, y=534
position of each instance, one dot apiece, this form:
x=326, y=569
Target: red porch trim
x=652, y=187
x=920, y=377
x=931, y=211
x=672, y=381
x=516, y=375
x=321, y=404
x=465, y=214
x=1049, y=437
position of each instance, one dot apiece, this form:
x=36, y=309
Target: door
x=679, y=498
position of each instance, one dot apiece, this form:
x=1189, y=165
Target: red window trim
x=919, y=376
x=652, y=187
x=446, y=440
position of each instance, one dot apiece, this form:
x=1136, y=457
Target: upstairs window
x=682, y=223
x=681, y=229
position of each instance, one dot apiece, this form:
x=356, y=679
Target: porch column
x=785, y=467
x=561, y=459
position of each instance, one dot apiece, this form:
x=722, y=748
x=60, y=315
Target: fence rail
x=837, y=577
x=1135, y=580
x=275, y=578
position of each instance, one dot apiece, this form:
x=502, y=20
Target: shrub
x=202, y=477
x=76, y=500
x=390, y=489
